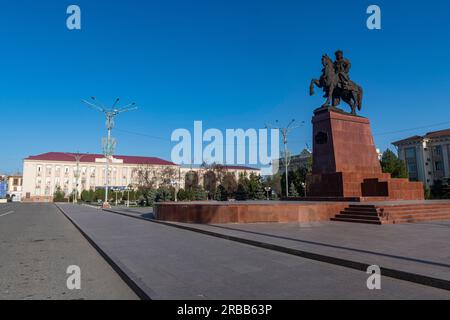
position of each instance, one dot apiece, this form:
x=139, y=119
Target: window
x=438, y=166
x=410, y=153
x=411, y=163
x=437, y=150
x=39, y=171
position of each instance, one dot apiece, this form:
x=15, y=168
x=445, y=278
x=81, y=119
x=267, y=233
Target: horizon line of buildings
x=427, y=159
x=43, y=174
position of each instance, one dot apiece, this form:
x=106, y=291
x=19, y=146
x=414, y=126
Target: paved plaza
x=422, y=248
x=171, y=263
x=39, y=241
x=37, y=245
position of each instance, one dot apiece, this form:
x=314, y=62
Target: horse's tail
x=360, y=98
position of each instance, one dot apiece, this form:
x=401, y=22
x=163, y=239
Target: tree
x=59, y=195
x=145, y=177
x=296, y=177
x=167, y=176
x=199, y=194
x=191, y=180
x=162, y=194
x=99, y=194
x=218, y=169
x=229, y=183
x=260, y=192
x=132, y=194
x=210, y=182
x=293, y=191
x=241, y=193
x=87, y=195
x=182, y=195
x=221, y=193
x=274, y=182
x=390, y=163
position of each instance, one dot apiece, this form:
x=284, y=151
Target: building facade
x=15, y=185
x=427, y=157
x=44, y=174
x=296, y=162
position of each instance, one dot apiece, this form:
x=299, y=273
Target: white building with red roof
x=43, y=174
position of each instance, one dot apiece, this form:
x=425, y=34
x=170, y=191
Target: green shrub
x=59, y=195
x=241, y=193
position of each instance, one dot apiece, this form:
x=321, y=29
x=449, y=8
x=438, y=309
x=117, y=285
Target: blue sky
x=231, y=64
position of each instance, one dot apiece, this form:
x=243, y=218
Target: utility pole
x=285, y=131
x=109, y=143
x=77, y=156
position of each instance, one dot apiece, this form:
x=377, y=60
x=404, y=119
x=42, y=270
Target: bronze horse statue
x=336, y=89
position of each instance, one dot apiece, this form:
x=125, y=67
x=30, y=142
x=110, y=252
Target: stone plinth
x=346, y=164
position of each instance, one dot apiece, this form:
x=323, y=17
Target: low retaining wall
x=247, y=212
x=42, y=199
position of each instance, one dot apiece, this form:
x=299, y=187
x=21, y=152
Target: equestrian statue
x=336, y=83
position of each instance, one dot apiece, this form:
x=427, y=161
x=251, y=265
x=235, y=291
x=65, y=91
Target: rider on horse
x=342, y=67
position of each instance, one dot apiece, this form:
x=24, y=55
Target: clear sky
x=229, y=63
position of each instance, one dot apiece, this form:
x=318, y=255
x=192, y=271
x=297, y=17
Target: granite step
x=358, y=217
x=358, y=213
x=376, y=222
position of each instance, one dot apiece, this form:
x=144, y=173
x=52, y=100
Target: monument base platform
x=363, y=187
x=346, y=164
x=376, y=212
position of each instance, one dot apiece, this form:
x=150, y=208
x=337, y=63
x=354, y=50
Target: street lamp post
x=174, y=184
x=304, y=188
x=109, y=143
x=287, y=158
x=77, y=157
x=268, y=189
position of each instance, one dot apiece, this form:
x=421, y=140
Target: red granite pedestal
x=346, y=164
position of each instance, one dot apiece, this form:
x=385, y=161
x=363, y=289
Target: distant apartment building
x=427, y=157
x=44, y=174
x=300, y=161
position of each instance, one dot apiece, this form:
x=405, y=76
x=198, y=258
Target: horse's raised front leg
x=311, y=86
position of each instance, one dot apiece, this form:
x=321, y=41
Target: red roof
x=440, y=133
x=429, y=135
x=90, y=158
x=240, y=168
x=413, y=138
